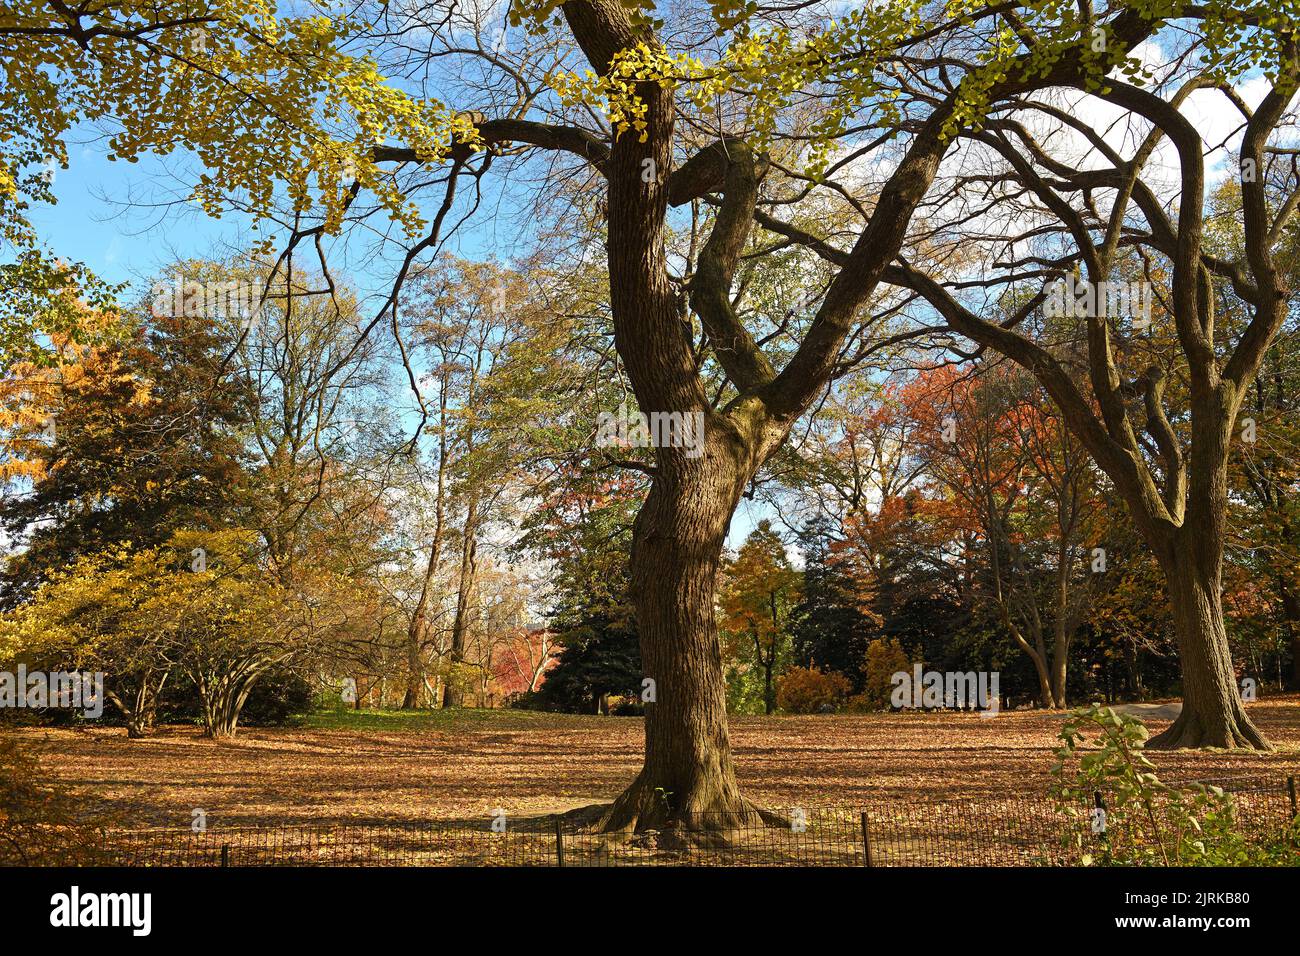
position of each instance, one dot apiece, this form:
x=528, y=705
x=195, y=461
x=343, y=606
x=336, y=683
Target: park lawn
x=409, y=767
x=414, y=721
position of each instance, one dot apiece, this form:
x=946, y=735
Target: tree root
x=1191, y=732
x=645, y=819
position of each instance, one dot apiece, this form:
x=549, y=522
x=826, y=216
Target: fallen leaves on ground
x=466, y=765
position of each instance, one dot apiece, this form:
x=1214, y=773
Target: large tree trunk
x=1213, y=715
x=688, y=776
x=679, y=532
x=1192, y=561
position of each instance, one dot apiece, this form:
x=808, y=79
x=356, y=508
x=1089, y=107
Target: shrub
x=278, y=698
x=529, y=700
x=626, y=707
x=806, y=690
x=1147, y=822
x=885, y=658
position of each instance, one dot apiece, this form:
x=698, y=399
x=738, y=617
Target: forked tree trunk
x=1192, y=561
x=454, y=694
x=141, y=707
x=223, y=695
x=1035, y=650
x=677, y=541
x=221, y=717
x=688, y=776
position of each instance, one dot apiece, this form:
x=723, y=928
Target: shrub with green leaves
x=1148, y=822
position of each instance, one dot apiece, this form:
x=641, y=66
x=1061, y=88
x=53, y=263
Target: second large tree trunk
x=1213, y=715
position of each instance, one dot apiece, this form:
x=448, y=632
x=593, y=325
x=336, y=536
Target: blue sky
x=101, y=218
x=122, y=220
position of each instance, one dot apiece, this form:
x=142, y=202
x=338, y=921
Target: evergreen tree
x=145, y=439
x=830, y=630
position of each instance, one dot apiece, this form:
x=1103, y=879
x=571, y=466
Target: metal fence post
x=225, y=854
x=866, y=841
x=559, y=842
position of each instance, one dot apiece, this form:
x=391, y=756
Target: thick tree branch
x=710, y=286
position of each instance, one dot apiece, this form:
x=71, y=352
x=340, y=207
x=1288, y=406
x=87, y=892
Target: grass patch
x=448, y=719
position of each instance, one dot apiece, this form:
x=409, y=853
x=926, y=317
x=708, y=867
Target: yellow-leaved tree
x=273, y=108
x=201, y=606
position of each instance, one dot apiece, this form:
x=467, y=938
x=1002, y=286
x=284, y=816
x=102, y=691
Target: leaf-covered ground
x=463, y=765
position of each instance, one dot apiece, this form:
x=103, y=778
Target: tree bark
x=1212, y=715
x=1061, y=624
x=1036, y=650
x=420, y=619
x=688, y=776
x=420, y=625
x=766, y=661
x=454, y=694
x=1059, y=664
x=1192, y=560
x=223, y=695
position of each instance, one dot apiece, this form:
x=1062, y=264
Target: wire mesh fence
x=1012, y=830
x=1260, y=807
x=1032, y=830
